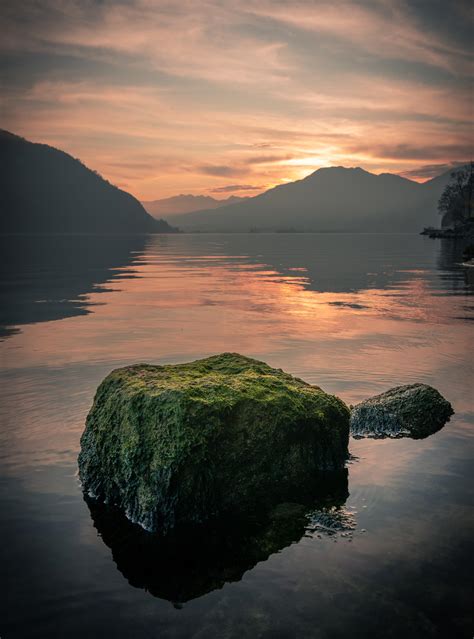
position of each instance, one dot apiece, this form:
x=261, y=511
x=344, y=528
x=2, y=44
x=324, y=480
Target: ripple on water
x=332, y=521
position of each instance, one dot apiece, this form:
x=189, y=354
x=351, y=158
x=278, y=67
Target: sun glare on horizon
x=225, y=98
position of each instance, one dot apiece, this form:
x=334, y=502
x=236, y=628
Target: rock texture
x=415, y=410
x=185, y=443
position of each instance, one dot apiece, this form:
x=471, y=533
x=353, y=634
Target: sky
x=231, y=97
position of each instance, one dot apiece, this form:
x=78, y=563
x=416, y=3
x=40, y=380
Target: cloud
x=170, y=97
x=388, y=29
x=232, y=188
x=217, y=170
x=431, y=170
x=267, y=159
x=192, y=39
x=415, y=152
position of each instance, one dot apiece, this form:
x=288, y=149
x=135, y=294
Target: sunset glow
x=220, y=98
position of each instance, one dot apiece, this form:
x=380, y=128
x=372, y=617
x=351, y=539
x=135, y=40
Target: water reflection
x=47, y=278
x=398, y=318
x=336, y=263
x=184, y=297
x=458, y=278
x=192, y=561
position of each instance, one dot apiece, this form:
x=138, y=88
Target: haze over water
x=355, y=314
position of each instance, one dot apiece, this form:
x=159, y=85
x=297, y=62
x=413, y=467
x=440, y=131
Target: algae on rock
x=413, y=410
x=188, y=442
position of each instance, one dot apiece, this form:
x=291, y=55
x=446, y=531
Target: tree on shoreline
x=456, y=201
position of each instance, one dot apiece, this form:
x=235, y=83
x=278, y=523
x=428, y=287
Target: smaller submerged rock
x=415, y=410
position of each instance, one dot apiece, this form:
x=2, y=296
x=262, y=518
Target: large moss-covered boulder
x=188, y=442
x=414, y=410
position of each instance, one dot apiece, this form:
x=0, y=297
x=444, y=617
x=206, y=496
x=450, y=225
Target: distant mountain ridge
x=44, y=190
x=335, y=199
x=187, y=204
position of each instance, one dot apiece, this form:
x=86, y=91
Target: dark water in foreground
x=388, y=551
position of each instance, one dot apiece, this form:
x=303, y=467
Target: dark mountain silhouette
x=44, y=190
x=331, y=199
x=187, y=204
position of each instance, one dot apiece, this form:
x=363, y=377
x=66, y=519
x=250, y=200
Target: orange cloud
x=180, y=97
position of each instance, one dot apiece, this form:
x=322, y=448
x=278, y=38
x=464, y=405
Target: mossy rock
x=413, y=410
x=188, y=442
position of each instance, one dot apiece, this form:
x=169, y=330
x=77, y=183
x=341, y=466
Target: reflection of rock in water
x=44, y=278
x=414, y=410
x=192, y=561
x=331, y=520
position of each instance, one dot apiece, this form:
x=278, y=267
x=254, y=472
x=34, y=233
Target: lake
x=354, y=314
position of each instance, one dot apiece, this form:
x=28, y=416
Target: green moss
x=414, y=410
x=187, y=442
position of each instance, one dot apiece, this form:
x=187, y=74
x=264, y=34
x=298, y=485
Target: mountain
x=44, y=190
x=187, y=204
x=330, y=199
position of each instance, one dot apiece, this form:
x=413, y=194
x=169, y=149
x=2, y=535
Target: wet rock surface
x=414, y=410
x=187, y=443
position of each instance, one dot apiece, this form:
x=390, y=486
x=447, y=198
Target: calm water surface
x=355, y=314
